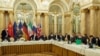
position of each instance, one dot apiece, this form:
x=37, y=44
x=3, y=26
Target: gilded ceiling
x=45, y=4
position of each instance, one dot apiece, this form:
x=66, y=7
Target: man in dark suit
x=56, y=36
x=73, y=38
x=92, y=39
x=67, y=37
x=51, y=36
x=85, y=39
x=34, y=37
x=61, y=37
x=98, y=41
x=4, y=35
x=18, y=35
x=43, y=37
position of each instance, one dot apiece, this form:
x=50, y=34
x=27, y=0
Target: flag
x=10, y=29
x=30, y=32
x=20, y=25
x=15, y=29
x=39, y=30
x=25, y=32
x=34, y=29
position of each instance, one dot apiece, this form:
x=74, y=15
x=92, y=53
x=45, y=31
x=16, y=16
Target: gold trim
x=1, y=11
x=93, y=7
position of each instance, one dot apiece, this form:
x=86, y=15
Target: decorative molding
x=67, y=15
x=46, y=14
x=93, y=7
x=11, y=12
x=6, y=9
x=1, y=11
x=89, y=5
x=83, y=10
x=38, y=14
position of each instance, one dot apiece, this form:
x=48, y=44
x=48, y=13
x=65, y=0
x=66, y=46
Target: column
x=68, y=24
x=98, y=21
x=11, y=16
x=38, y=21
x=55, y=23
x=2, y=23
x=96, y=25
x=43, y=22
x=46, y=24
x=63, y=25
x=82, y=23
x=92, y=18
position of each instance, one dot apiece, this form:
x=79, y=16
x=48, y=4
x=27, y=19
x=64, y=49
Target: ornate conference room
x=49, y=27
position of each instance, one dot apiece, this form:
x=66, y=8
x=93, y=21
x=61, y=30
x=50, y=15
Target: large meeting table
x=60, y=48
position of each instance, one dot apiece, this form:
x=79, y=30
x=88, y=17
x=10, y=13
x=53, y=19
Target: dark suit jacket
x=51, y=37
x=84, y=40
x=4, y=35
x=68, y=37
x=37, y=38
x=33, y=37
x=98, y=42
x=55, y=37
x=93, y=40
x=61, y=38
x=73, y=38
x=18, y=35
x=43, y=37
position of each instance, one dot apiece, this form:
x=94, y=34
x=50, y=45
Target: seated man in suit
x=67, y=37
x=18, y=35
x=43, y=37
x=51, y=36
x=61, y=37
x=98, y=41
x=4, y=35
x=79, y=36
x=56, y=36
x=34, y=37
x=92, y=39
x=85, y=39
x=73, y=37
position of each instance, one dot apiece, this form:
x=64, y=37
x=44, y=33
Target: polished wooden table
x=59, y=48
